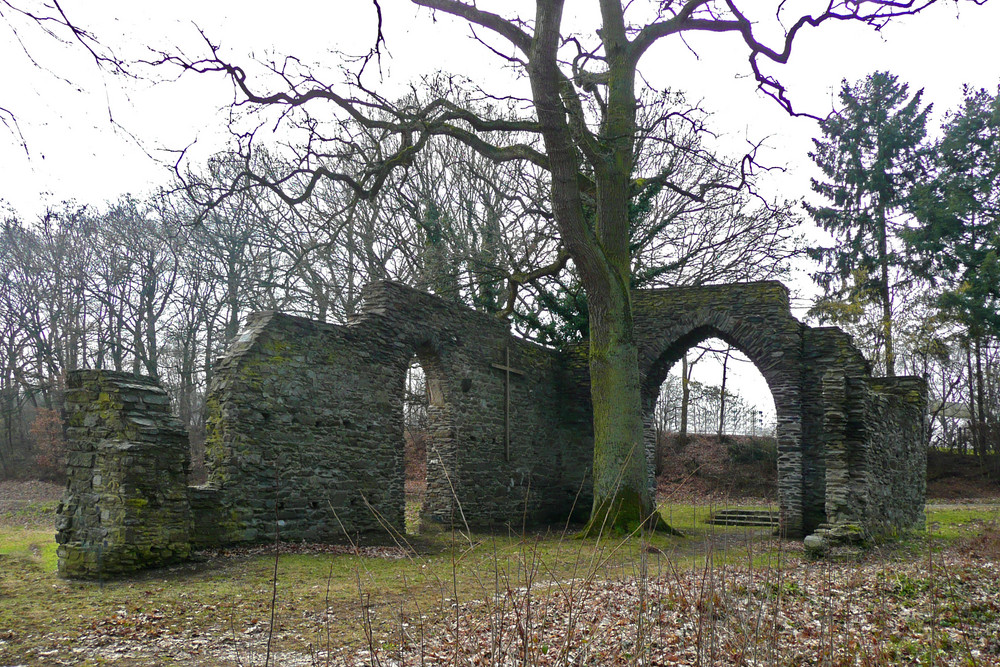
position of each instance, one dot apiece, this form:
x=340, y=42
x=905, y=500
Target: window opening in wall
x=417, y=396
x=714, y=422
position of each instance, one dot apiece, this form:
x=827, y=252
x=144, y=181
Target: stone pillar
x=835, y=446
x=126, y=504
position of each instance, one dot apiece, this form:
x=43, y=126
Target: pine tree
x=957, y=241
x=870, y=154
x=956, y=245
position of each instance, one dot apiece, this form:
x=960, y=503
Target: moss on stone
x=622, y=515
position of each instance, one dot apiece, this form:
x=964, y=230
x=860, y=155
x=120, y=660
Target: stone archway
x=669, y=322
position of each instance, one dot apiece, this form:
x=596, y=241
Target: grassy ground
x=503, y=595
x=323, y=599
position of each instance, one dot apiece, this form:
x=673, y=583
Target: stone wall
x=305, y=425
x=305, y=428
x=896, y=455
x=833, y=372
x=870, y=440
x=851, y=448
x=126, y=503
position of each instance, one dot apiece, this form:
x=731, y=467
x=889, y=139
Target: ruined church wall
x=871, y=434
x=302, y=432
x=125, y=507
x=834, y=376
x=550, y=448
x=305, y=429
x=896, y=456
x=851, y=448
x=305, y=426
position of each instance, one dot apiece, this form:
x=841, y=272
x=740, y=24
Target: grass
x=690, y=518
x=352, y=602
x=33, y=546
x=954, y=522
x=442, y=570
x=26, y=535
x=29, y=513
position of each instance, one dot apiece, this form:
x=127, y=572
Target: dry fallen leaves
x=943, y=611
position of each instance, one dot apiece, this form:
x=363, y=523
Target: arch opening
x=426, y=437
x=782, y=382
x=713, y=413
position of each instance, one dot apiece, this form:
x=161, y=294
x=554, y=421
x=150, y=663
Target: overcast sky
x=65, y=105
x=91, y=136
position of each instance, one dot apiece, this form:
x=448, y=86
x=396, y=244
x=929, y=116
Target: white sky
x=64, y=104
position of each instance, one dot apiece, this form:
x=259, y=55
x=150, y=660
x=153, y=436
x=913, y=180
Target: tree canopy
x=956, y=243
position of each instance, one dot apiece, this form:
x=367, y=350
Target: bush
x=50, y=444
x=752, y=450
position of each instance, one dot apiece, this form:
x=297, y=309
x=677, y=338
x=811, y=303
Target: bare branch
x=518, y=279
x=501, y=26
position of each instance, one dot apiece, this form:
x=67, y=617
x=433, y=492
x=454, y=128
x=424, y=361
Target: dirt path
x=17, y=493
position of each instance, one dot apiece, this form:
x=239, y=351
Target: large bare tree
x=580, y=118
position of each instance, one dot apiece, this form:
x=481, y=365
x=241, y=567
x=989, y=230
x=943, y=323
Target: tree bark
x=885, y=295
x=980, y=421
x=974, y=417
x=622, y=499
x=685, y=399
x=722, y=394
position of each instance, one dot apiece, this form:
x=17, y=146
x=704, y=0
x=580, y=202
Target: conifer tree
x=956, y=243
x=870, y=155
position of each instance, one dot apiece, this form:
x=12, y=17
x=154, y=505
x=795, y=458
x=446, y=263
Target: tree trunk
x=622, y=499
x=980, y=424
x=885, y=296
x=599, y=246
x=685, y=400
x=973, y=403
x=722, y=394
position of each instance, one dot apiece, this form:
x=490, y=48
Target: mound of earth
x=962, y=476
x=15, y=494
x=705, y=469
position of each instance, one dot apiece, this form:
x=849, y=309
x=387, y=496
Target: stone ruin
x=305, y=429
x=127, y=503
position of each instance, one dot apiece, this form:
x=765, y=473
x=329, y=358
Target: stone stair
x=739, y=517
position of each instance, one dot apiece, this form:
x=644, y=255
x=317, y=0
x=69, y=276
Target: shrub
x=752, y=449
x=50, y=444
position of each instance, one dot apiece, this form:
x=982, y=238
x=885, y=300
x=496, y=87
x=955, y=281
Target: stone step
x=745, y=513
x=751, y=523
x=738, y=517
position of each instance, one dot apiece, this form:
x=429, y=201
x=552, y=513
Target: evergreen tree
x=870, y=154
x=956, y=244
x=957, y=241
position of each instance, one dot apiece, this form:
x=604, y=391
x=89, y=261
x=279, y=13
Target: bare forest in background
x=160, y=285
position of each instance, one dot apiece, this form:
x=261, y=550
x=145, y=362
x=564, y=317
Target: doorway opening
x=713, y=427
x=424, y=432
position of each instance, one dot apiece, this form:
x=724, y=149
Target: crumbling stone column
x=126, y=502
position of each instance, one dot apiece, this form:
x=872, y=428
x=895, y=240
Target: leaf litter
x=942, y=610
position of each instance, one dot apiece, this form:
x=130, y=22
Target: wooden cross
x=505, y=367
